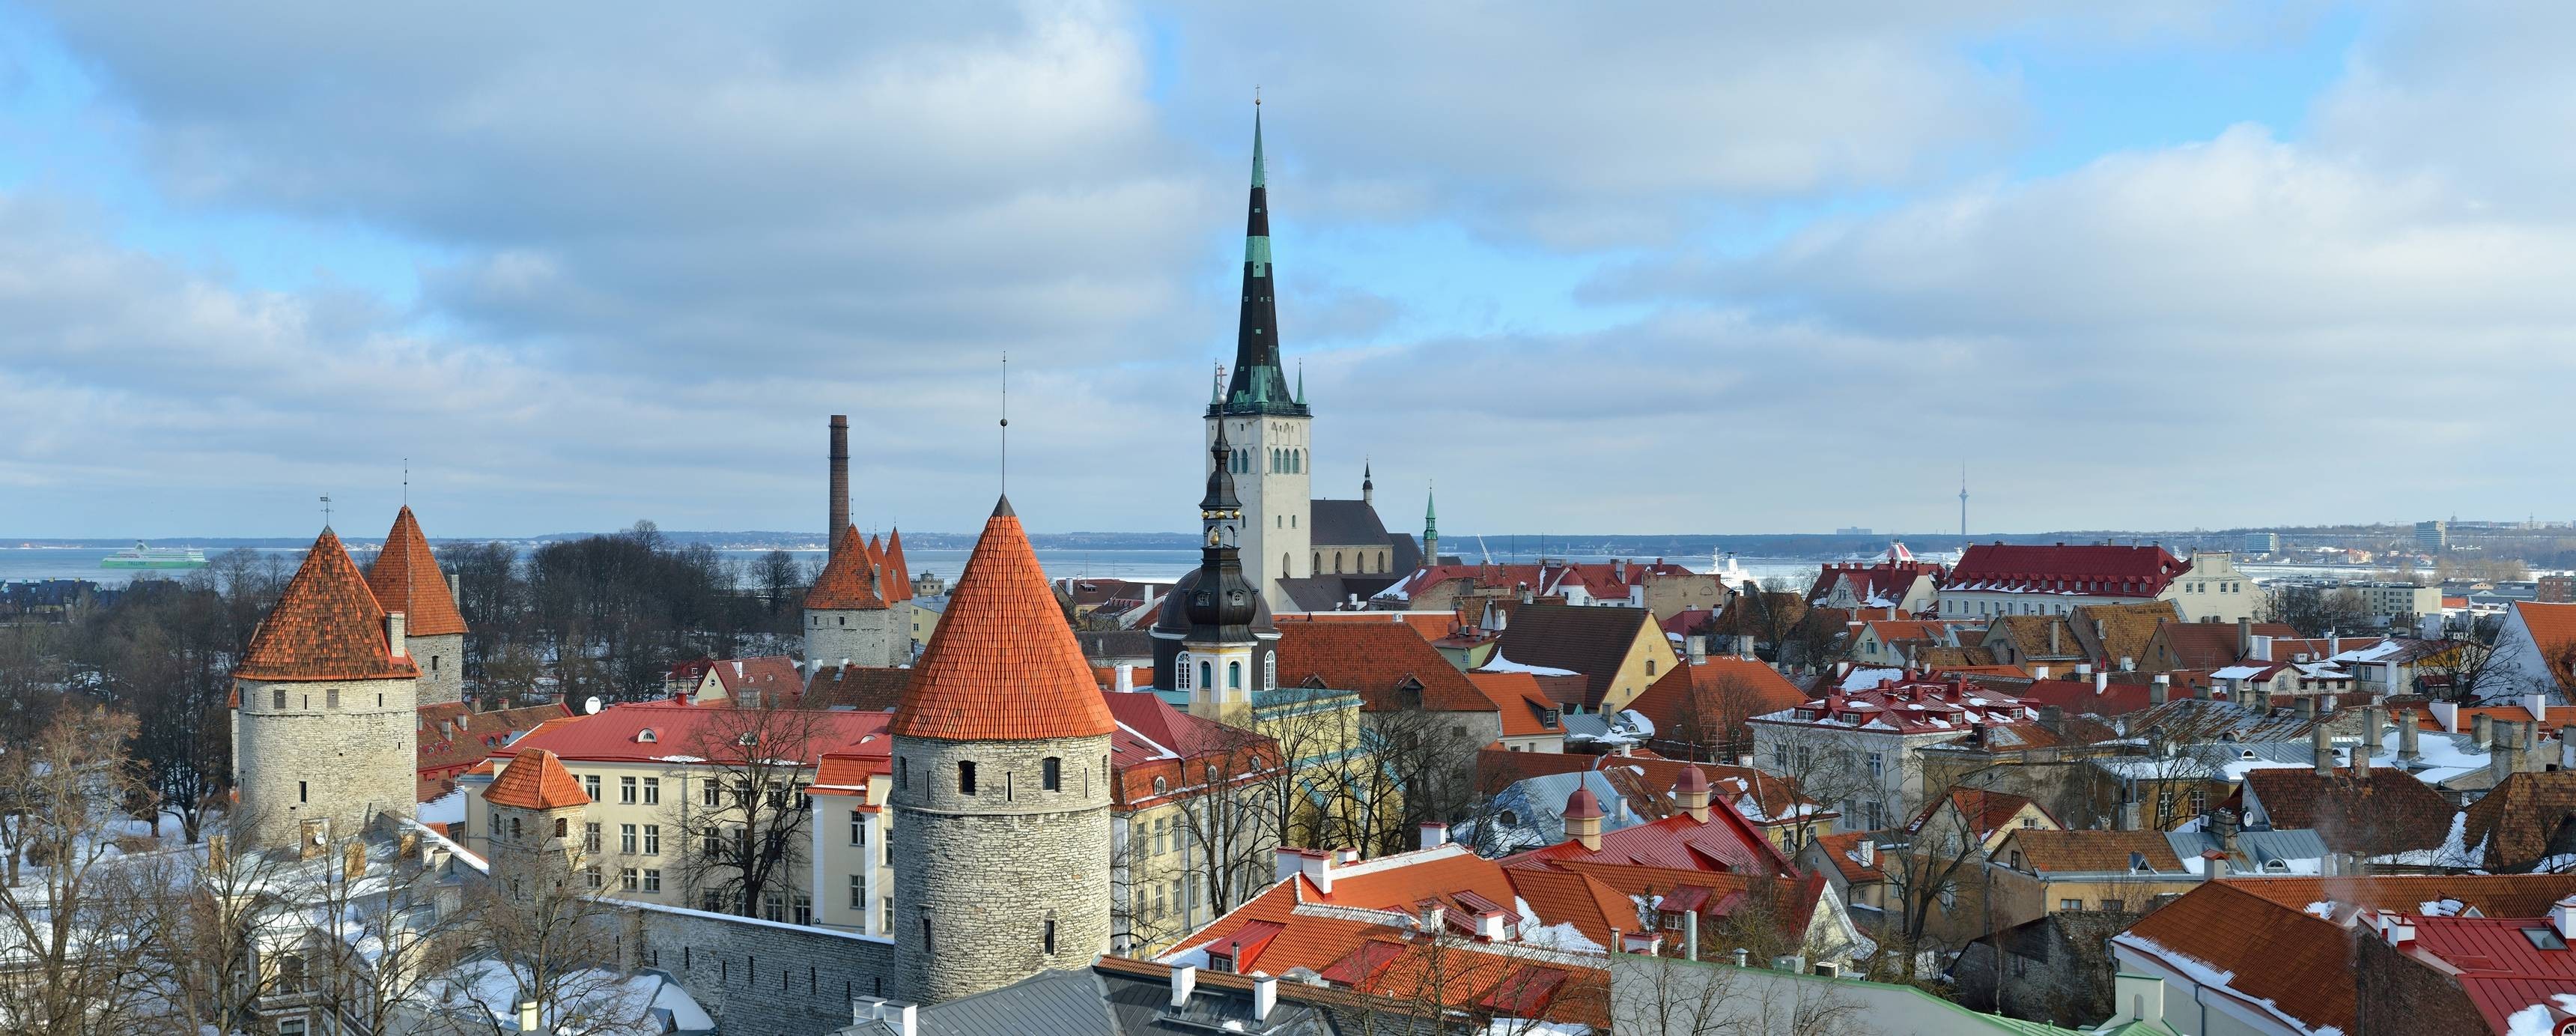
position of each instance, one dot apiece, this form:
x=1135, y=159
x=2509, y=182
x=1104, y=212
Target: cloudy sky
x=1693, y=268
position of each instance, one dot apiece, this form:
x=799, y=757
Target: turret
x=325, y=700
x=405, y=578
x=1213, y=637
x=847, y=614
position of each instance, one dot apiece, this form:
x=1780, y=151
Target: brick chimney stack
x=840, y=482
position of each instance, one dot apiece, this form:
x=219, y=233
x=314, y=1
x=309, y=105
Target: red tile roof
x=1645, y=779
x=663, y=731
x=895, y=575
x=848, y=582
x=405, y=578
x=1886, y=579
x=2275, y=953
x=536, y=780
x=452, y=736
x=1003, y=665
x=326, y=626
x=2078, y=698
x=1909, y=707
x=2390, y=812
x=1527, y=711
x=1727, y=843
x=2495, y=895
x=1374, y=660
x=765, y=680
x=1842, y=849
x=2097, y=570
x=1721, y=693
x=2210, y=645
x=1432, y=625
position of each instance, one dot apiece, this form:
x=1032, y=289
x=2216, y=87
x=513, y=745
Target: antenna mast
x=1006, y=423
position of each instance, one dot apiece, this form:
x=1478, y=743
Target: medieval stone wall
x=979, y=877
x=759, y=978
x=301, y=753
x=872, y=637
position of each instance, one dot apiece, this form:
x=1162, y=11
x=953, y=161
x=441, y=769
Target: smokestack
x=2408, y=747
x=840, y=482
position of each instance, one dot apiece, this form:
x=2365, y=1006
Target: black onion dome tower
x=1213, y=637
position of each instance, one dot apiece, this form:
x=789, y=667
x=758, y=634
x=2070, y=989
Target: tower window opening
x=1051, y=773
x=277, y=699
x=966, y=778
x=1207, y=674
x=1182, y=678
x=1234, y=676
x=561, y=827
x=300, y=792
x=1050, y=937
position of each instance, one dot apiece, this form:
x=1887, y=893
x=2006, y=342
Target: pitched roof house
x=1618, y=651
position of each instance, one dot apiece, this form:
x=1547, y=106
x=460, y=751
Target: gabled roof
x=1984, y=811
x=2079, y=698
x=1376, y=660
x=1726, y=843
x=2517, y=821
x=1844, y=850
x=848, y=582
x=2120, y=631
x=2295, y=963
x=670, y=732
x=2211, y=645
x=768, y=679
x=2095, y=852
x=863, y=687
x=1592, y=640
x=1719, y=692
x=1526, y=710
x=452, y=736
x=1646, y=780
x=2388, y=813
x=405, y=578
x=326, y=626
x=1003, y=664
x=2096, y=570
x=535, y=780
x=2503, y=972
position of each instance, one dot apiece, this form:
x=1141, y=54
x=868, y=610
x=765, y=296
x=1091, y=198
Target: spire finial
x=406, y=482
x=1006, y=426
x=326, y=513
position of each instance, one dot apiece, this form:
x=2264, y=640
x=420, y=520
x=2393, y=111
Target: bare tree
x=1934, y=877
x=2313, y=611
x=1711, y=723
x=207, y=916
x=747, y=829
x=549, y=942
x=1668, y=996
x=1824, y=767
x=1224, y=829
x=67, y=800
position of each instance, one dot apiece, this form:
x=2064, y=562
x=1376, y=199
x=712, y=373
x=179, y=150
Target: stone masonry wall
x=988, y=871
x=353, y=760
x=442, y=667
x=872, y=637
x=759, y=978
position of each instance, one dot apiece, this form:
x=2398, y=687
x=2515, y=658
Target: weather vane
x=326, y=512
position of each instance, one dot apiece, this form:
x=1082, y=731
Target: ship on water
x=141, y=556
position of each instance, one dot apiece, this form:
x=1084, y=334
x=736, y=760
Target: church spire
x=1430, y=528
x=1260, y=384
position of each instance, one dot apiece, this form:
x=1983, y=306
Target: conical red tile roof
x=406, y=579
x=326, y=626
x=536, y=780
x=898, y=575
x=1003, y=666
x=849, y=580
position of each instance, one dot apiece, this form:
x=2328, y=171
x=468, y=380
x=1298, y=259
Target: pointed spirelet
x=848, y=582
x=406, y=579
x=1003, y=665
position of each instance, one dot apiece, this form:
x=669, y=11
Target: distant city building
x=2556, y=590
x=1852, y=530
x=2262, y=543
x=2037, y=579
x=2433, y=537
x=2403, y=603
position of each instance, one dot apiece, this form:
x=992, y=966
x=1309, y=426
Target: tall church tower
x=1001, y=786
x=325, y=718
x=406, y=579
x=1264, y=422
x=1214, y=638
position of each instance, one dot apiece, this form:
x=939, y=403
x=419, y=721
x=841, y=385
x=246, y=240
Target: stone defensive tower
x=405, y=578
x=325, y=721
x=1002, y=787
x=537, y=809
x=851, y=612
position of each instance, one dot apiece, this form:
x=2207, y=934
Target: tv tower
x=1963, y=500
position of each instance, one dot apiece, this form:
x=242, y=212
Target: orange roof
x=2274, y=952
x=326, y=626
x=849, y=580
x=405, y=578
x=893, y=574
x=2495, y=895
x=1524, y=707
x=536, y=780
x=1003, y=665
x=1433, y=625
x=1709, y=702
x=1379, y=660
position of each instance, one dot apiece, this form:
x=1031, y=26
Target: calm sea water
x=30, y=563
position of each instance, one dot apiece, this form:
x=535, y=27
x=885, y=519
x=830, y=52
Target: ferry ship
x=155, y=557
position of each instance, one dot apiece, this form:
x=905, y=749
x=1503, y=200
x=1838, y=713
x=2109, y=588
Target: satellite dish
x=590, y=707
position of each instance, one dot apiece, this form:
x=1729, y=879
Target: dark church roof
x=1329, y=592
x=1343, y=523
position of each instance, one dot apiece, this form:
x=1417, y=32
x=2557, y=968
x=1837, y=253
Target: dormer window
x=646, y=736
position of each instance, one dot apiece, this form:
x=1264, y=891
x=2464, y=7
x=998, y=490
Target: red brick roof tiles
x=848, y=582
x=405, y=578
x=2274, y=952
x=894, y=574
x=1727, y=843
x=1715, y=696
x=2101, y=570
x=536, y=780
x=1374, y=659
x=1003, y=664
x=326, y=626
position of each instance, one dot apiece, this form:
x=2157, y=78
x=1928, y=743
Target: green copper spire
x=1301, y=383
x=1259, y=382
x=1430, y=516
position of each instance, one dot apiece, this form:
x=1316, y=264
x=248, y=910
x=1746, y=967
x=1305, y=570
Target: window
x=1877, y=765
x=1270, y=672
x=1162, y=825
x=903, y=773
x=925, y=933
x=1050, y=937
x=290, y=1027
x=626, y=790
x=331, y=698
x=2114, y=905
x=1207, y=671
x=590, y=786
x=707, y=793
x=652, y=791
x=2070, y=904
x=858, y=831
x=590, y=838
x=1051, y=773
x=1182, y=678
x=303, y=792
x=888, y=922
x=277, y=699
x=560, y=823
x=1161, y=786
x=652, y=880
x=1234, y=676
x=966, y=778
x=626, y=839
x=858, y=893
x=652, y=839
x=629, y=879
x=591, y=876
x=1650, y=667
x=801, y=909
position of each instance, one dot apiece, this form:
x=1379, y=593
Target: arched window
x=1270, y=672
x=1161, y=786
x=514, y=827
x=1181, y=679
x=1234, y=676
x=1051, y=773
x=965, y=778
x=1381, y=561
x=1337, y=562
x=1207, y=675
x=560, y=827
x=1283, y=565
x=1319, y=561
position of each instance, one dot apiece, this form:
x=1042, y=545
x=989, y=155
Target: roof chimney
x=1698, y=648
x=2244, y=638
x=394, y=634
x=2482, y=729
x=1434, y=834
x=2567, y=748
x=2213, y=865
x=2321, y=741
x=840, y=511
x=1286, y=863
x=1126, y=681
x=2101, y=682
x=1185, y=980
x=1265, y=996
x=2562, y=916
x=1318, y=868
x=2407, y=732
x=1866, y=852
x=2447, y=714
x=2369, y=745
x=2160, y=689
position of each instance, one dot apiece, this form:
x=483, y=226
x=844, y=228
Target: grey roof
x=1327, y=593
x=1355, y=523
x=1537, y=809
x=1088, y=1002
x=1106, y=644
x=2254, y=849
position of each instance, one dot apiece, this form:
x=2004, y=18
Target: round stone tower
x=1001, y=797
x=537, y=809
x=406, y=579
x=325, y=722
x=850, y=614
